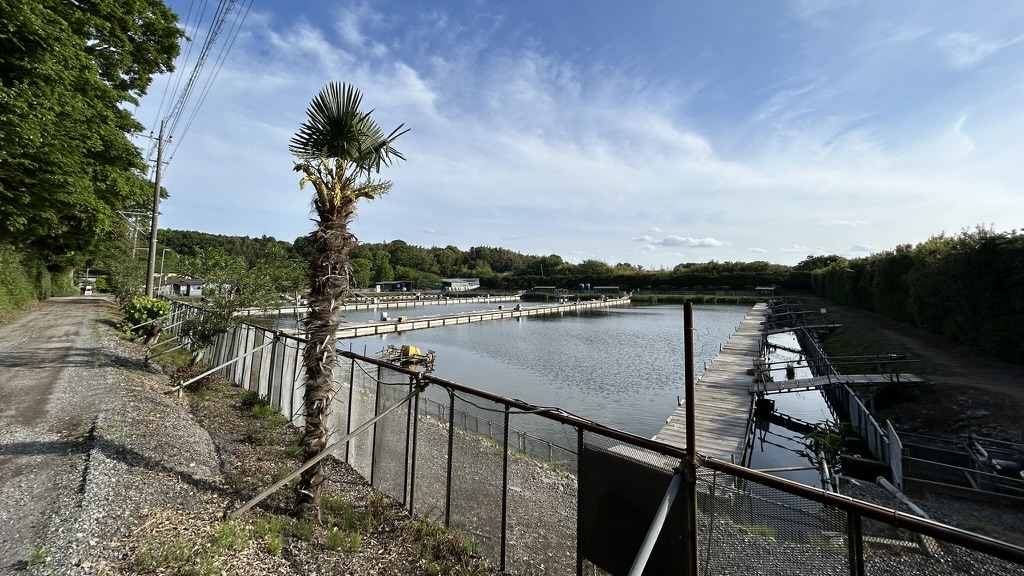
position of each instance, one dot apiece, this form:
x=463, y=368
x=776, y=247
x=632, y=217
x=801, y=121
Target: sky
x=652, y=132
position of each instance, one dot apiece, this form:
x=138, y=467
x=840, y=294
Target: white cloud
x=966, y=50
x=691, y=242
x=841, y=222
x=757, y=250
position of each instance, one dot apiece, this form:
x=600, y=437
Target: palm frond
x=336, y=128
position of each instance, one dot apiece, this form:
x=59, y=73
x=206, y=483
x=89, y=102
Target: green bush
x=142, y=309
x=16, y=286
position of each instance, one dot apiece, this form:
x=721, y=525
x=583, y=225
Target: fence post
x=504, y=488
x=415, y=436
x=376, y=407
x=579, y=514
x=409, y=415
x=348, y=416
x=451, y=442
x=855, y=545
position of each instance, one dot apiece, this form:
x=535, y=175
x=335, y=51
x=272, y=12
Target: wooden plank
x=723, y=396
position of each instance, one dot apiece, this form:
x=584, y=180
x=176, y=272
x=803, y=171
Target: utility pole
x=151, y=266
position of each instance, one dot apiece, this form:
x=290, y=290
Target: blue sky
x=652, y=133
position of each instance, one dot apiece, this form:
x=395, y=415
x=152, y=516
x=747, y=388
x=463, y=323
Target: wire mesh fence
x=538, y=491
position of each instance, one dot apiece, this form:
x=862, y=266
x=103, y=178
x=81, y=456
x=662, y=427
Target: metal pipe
x=212, y=370
x=324, y=454
x=409, y=415
x=655, y=529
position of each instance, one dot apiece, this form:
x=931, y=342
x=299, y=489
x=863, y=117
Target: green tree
x=231, y=285
x=338, y=148
x=66, y=71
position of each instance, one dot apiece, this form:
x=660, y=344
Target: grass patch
x=304, y=530
x=257, y=436
x=294, y=448
x=445, y=551
x=37, y=557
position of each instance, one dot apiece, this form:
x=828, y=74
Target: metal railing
x=454, y=455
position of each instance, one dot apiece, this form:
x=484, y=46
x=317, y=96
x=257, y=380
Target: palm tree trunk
x=330, y=244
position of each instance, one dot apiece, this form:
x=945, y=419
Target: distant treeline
x=969, y=287
x=504, y=269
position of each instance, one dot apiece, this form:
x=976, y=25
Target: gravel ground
x=120, y=474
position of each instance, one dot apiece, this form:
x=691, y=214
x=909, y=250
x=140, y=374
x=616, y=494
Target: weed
x=37, y=557
x=230, y=535
x=294, y=449
x=445, y=551
x=759, y=530
x=269, y=526
x=334, y=539
x=275, y=542
x=304, y=530
x=156, y=554
x=253, y=399
x=259, y=437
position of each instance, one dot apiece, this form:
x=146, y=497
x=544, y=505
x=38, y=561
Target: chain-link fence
x=539, y=491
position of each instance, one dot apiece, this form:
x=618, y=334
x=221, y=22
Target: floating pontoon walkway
x=723, y=397
x=402, y=324
x=802, y=384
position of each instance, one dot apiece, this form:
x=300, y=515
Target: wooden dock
x=405, y=323
x=801, y=384
x=723, y=396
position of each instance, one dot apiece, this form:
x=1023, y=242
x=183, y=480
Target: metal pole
x=212, y=370
x=415, y=436
x=689, y=464
x=451, y=441
x=855, y=545
x=156, y=210
x=312, y=461
x=504, y=492
x=579, y=513
x=655, y=529
x=351, y=387
x=409, y=414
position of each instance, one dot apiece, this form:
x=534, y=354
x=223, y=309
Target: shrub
x=142, y=309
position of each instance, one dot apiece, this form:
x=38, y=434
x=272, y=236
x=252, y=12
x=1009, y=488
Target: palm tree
x=338, y=149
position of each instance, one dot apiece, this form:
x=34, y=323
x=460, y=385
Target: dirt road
x=52, y=388
x=966, y=391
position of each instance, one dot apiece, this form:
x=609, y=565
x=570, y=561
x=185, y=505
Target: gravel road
x=73, y=468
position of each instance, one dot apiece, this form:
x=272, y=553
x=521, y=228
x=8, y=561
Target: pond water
x=618, y=366
x=775, y=446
